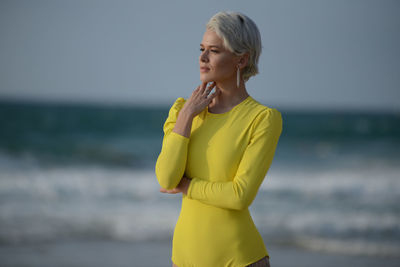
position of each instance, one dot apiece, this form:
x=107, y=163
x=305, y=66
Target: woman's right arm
x=171, y=162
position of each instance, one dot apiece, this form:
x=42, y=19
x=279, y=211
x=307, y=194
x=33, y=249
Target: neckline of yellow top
x=229, y=111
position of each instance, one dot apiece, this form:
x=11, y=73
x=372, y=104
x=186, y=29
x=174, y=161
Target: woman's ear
x=243, y=60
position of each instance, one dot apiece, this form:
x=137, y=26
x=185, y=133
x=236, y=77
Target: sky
x=317, y=54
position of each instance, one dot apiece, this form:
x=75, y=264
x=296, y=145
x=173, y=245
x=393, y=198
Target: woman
x=217, y=149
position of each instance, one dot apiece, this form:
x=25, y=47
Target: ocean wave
x=317, y=210
x=349, y=247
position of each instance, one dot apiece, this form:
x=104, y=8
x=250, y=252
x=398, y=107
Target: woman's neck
x=230, y=95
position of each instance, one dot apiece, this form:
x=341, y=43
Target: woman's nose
x=204, y=56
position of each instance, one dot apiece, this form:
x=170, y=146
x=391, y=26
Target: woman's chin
x=205, y=79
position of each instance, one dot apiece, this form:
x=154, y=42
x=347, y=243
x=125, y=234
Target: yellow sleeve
x=239, y=193
x=171, y=162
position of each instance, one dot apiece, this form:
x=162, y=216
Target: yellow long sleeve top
x=227, y=157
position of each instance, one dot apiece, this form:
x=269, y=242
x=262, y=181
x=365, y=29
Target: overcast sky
x=316, y=54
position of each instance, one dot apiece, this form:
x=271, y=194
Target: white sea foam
x=103, y=203
x=381, y=182
x=349, y=247
x=319, y=210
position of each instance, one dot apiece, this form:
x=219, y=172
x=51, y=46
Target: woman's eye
x=214, y=51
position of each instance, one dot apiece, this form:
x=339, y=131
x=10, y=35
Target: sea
x=86, y=172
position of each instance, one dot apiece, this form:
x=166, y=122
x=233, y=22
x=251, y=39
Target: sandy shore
x=157, y=254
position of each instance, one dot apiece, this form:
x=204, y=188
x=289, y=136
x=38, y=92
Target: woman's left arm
x=239, y=193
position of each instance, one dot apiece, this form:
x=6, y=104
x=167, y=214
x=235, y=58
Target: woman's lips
x=204, y=69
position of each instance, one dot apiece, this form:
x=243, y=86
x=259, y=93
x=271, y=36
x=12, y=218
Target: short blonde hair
x=240, y=35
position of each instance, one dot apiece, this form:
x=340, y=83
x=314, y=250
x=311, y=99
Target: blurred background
x=85, y=87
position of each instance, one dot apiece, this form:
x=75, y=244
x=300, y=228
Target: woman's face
x=217, y=64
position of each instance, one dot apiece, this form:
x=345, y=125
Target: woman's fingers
x=201, y=97
x=171, y=191
x=196, y=90
x=204, y=86
x=214, y=94
x=204, y=89
x=208, y=89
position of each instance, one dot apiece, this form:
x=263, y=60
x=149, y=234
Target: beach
x=157, y=254
x=78, y=188
x=87, y=97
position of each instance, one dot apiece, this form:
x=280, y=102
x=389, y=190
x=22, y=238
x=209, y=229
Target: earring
x=238, y=77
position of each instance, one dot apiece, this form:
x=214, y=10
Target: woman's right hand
x=200, y=98
x=198, y=101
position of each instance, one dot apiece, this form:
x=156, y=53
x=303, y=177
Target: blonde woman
x=217, y=149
